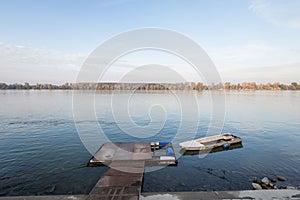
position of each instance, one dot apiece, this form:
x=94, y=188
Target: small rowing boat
x=223, y=140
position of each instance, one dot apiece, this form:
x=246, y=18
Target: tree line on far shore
x=153, y=86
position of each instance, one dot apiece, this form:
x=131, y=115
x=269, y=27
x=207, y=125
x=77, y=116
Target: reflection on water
x=41, y=152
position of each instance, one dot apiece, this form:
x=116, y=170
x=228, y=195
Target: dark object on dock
x=211, y=142
x=153, y=153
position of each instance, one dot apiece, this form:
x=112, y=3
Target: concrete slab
x=130, y=193
x=126, y=181
x=246, y=194
x=118, y=184
x=48, y=197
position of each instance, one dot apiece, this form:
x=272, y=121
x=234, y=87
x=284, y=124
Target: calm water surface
x=41, y=152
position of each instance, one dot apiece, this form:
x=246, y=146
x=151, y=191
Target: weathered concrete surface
x=247, y=194
x=47, y=197
x=118, y=185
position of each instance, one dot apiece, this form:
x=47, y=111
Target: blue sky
x=47, y=41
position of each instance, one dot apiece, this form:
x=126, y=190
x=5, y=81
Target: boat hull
x=211, y=142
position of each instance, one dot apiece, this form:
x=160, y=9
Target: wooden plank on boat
x=211, y=142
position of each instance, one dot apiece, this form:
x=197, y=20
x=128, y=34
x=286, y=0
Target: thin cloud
x=280, y=13
x=285, y=73
x=252, y=55
x=243, y=52
x=20, y=64
x=23, y=64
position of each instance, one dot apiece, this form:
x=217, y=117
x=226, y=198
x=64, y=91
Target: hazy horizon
x=62, y=83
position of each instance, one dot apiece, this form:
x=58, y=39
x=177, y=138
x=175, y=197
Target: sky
x=48, y=41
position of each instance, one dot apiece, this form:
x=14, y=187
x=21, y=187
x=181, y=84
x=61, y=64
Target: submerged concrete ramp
x=123, y=180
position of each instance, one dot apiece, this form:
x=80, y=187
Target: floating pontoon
x=153, y=153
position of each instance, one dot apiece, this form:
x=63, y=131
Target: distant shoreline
x=199, y=86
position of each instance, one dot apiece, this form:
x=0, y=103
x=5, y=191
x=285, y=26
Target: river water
x=42, y=153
